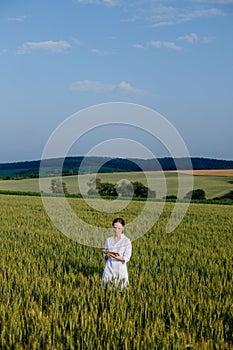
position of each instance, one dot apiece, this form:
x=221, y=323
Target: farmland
x=180, y=294
x=211, y=172
x=214, y=185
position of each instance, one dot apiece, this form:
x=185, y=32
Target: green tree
x=125, y=189
x=58, y=186
x=140, y=190
x=170, y=196
x=107, y=189
x=93, y=185
x=196, y=194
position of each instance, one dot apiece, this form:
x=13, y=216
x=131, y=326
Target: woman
x=118, y=250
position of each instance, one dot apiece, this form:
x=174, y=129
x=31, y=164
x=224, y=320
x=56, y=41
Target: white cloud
x=189, y=38
x=162, y=13
x=17, y=19
x=156, y=14
x=138, y=46
x=163, y=23
x=52, y=46
x=100, y=87
x=203, y=13
x=127, y=88
x=192, y=38
x=164, y=44
x=109, y=3
x=102, y=52
x=224, y=2
x=91, y=85
x=207, y=40
x=166, y=16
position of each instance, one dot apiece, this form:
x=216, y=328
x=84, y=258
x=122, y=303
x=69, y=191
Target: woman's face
x=118, y=228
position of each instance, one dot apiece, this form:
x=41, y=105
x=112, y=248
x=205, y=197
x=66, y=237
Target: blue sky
x=58, y=57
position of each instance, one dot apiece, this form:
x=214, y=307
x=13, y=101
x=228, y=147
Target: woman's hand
x=118, y=257
x=114, y=255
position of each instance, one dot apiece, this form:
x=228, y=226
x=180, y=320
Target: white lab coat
x=115, y=271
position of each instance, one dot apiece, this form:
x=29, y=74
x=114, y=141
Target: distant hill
x=71, y=165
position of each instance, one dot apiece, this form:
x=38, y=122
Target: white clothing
x=116, y=270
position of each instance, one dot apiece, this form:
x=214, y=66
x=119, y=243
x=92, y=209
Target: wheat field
x=180, y=294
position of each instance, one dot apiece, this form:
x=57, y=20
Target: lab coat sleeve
x=105, y=247
x=128, y=252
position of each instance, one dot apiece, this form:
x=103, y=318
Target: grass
x=214, y=186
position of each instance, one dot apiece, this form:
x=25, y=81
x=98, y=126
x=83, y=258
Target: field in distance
x=212, y=172
x=215, y=183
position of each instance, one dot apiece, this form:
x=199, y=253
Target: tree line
x=125, y=189
x=71, y=165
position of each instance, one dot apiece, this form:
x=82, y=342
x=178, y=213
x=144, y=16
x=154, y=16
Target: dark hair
x=120, y=220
